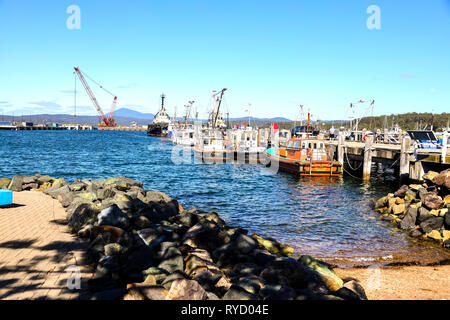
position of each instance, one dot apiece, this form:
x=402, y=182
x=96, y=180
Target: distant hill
x=276, y=119
x=132, y=114
x=123, y=117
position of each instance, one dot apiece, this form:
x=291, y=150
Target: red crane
x=107, y=122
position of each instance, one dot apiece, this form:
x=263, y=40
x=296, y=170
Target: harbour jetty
x=421, y=209
x=406, y=158
x=141, y=244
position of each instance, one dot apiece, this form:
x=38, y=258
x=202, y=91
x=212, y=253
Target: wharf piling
x=367, y=165
x=409, y=161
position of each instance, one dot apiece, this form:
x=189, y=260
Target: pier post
x=444, y=146
x=404, y=159
x=340, y=150
x=367, y=164
x=385, y=135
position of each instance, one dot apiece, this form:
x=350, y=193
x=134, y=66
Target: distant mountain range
x=122, y=116
x=132, y=114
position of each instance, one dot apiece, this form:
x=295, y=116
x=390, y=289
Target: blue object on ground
x=6, y=197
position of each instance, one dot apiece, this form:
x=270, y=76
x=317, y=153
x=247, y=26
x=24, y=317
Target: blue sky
x=272, y=54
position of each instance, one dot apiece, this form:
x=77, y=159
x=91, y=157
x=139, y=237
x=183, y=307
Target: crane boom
x=109, y=122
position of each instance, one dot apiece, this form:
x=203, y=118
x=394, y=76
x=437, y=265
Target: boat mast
x=307, y=127
x=219, y=100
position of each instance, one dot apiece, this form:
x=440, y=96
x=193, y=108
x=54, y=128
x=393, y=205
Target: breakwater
x=330, y=220
x=144, y=245
x=421, y=209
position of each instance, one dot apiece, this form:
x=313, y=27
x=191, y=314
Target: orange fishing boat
x=305, y=156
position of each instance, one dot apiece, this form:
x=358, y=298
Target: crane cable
x=112, y=94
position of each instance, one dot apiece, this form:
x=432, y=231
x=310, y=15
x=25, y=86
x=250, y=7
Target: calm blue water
x=317, y=217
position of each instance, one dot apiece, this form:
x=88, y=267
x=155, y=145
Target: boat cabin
x=305, y=149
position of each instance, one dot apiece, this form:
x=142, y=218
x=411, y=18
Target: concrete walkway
x=36, y=250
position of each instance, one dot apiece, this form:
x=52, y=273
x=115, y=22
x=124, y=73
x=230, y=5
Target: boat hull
x=305, y=168
x=230, y=157
x=157, y=130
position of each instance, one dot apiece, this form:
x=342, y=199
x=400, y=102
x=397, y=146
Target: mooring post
x=385, y=135
x=341, y=141
x=444, y=146
x=404, y=159
x=367, y=164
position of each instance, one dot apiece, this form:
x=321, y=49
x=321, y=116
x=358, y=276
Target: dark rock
x=185, y=218
x=177, y=275
x=151, y=237
x=30, y=186
x=357, y=288
x=152, y=292
x=433, y=202
x=245, y=244
x=163, y=247
x=274, y=246
x=113, y=216
x=422, y=193
x=346, y=294
x=83, y=213
x=443, y=179
x=308, y=294
x=96, y=249
x=16, y=184
x=44, y=179
x=277, y=292
x=447, y=220
x=141, y=222
x=107, y=193
x=401, y=192
x=156, y=196
x=446, y=244
x=28, y=180
x=130, y=182
x=416, y=233
x=424, y=215
x=113, y=249
x=66, y=198
x=203, y=235
x=157, y=212
x=409, y=220
x=57, y=190
x=263, y=257
x=211, y=217
x=159, y=274
x=113, y=294
x=77, y=186
x=186, y=290
x=139, y=260
x=211, y=296
x=172, y=260
x=251, y=283
x=286, y=271
x=434, y=223
x=238, y=293
x=247, y=268
x=4, y=183
x=324, y=270
x=85, y=231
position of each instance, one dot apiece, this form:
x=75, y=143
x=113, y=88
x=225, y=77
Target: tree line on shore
x=406, y=121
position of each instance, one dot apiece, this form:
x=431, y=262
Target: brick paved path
x=36, y=249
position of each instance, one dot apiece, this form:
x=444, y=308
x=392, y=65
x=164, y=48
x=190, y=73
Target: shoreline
x=177, y=230
x=144, y=245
